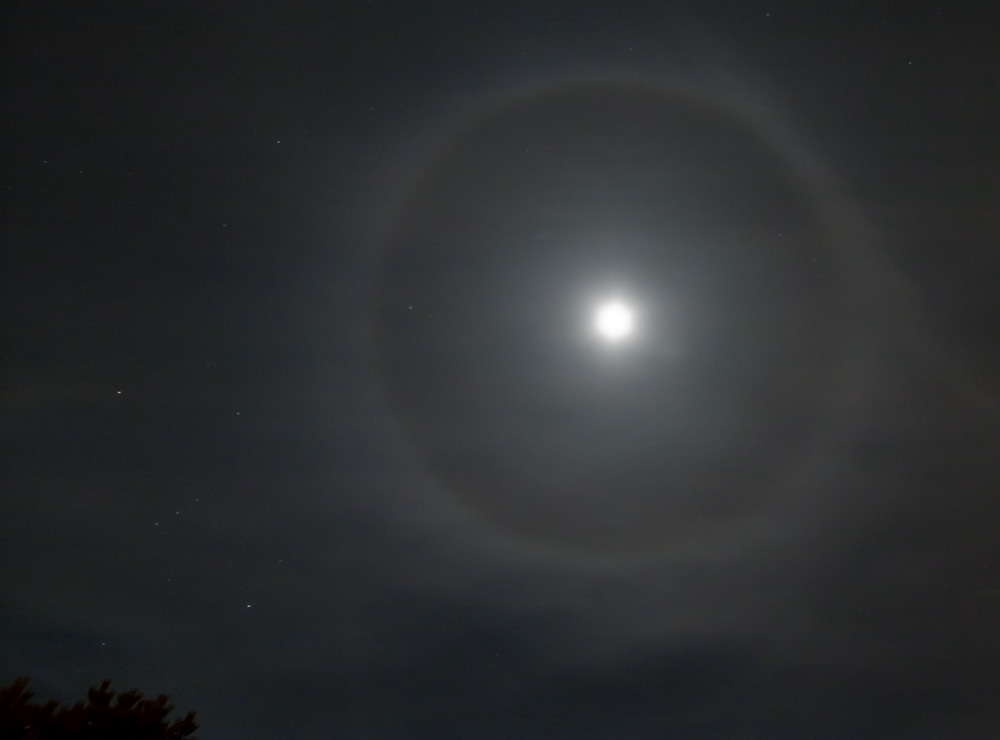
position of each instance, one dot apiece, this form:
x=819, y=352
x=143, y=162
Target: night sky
x=307, y=421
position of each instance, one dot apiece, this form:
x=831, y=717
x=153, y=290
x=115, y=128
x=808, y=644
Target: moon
x=614, y=321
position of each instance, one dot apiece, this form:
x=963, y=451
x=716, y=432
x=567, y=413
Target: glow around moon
x=610, y=373
x=614, y=321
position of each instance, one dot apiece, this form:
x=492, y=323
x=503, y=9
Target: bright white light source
x=614, y=321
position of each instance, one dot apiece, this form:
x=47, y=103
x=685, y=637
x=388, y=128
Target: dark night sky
x=303, y=425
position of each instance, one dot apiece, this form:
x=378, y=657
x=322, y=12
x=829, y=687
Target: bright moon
x=614, y=321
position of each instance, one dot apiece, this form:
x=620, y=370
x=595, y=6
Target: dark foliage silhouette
x=105, y=715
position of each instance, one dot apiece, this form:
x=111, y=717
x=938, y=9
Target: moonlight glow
x=614, y=321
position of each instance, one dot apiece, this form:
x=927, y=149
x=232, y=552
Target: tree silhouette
x=105, y=715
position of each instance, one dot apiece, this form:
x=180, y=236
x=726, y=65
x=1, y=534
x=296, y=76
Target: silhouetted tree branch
x=105, y=715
